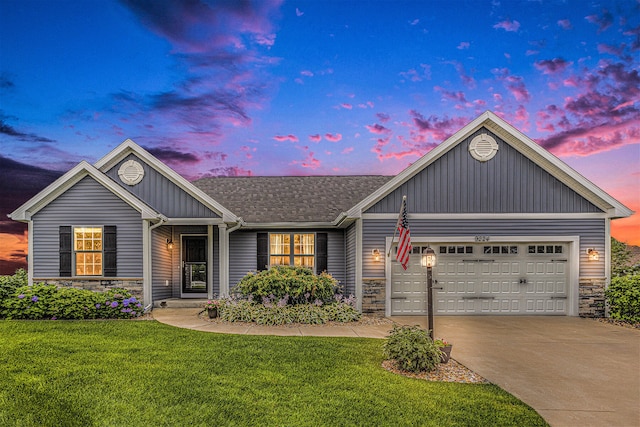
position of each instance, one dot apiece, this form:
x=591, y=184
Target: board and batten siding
x=243, y=251
x=87, y=203
x=590, y=231
x=162, y=194
x=508, y=183
x=350, y=260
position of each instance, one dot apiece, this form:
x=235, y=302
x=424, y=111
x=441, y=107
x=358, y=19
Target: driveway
x=572, y=371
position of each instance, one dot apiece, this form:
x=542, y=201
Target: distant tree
x=620, y=259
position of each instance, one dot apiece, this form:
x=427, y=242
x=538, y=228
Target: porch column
x=358, y=283
x=223, y=259
x=210, y=260
x=146, y=263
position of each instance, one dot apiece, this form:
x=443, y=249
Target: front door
x=194, y=265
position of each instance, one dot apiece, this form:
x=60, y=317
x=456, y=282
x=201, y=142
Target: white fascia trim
x=288, y=225
x=130, y=147
x=500, y=216
x=573, y=285
x=522, y=143
x=194, y=221
x=68, y=180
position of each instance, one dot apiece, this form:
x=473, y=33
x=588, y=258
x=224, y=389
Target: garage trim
x=573, y=243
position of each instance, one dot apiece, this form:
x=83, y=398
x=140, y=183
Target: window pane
x=303, y=261
x=303, y=244
x=280, y=244
x=279, y=260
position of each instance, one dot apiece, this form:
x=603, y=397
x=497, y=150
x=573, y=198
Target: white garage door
x=483, y=278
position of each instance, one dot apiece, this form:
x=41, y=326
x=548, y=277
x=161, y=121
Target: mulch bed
x=451, y=372
x=618, y=323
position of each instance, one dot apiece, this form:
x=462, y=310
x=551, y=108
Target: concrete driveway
x=572, y=371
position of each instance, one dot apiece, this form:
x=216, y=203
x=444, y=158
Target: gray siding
x=87, y=203
x=335, y=256
x=350, y=259
x=242, y=255
x=162, y=263
x=162, y=194
x=508, y=183
x=243, y=247
x=591, y=232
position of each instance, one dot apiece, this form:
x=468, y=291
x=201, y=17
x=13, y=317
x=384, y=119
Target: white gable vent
x=131, y=172
x=483, y=147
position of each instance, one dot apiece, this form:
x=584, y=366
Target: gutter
x=237, y=226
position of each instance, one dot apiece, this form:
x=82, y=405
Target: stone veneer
x=591, y=297
x=373, y=296
x=98, y=285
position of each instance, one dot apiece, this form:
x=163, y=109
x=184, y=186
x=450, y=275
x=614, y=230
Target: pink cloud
x=552, y=66
x=612, y=50
x=333, y=138
x=565, y=24
x=462, y=73
x=346, y=106
x=451, y=96
x=283, y=138
x=508, y=25
x=347, y=150
x=299, y=81
x=315, y=138
x=310, y=161
x=299, y=12
x=603, y=21
x=378, y=129
x=514, y=84
x=306, y=73
x=586, y=141
x=384, y=118
x=463, y=45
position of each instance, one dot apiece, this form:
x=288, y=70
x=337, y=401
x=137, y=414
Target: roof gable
x=68, y=180
x=520, y=142
x=129, y=147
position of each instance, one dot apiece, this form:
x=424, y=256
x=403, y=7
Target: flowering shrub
x=412, y=349
x=42, y=301
x=298, y=284
x=280, y=313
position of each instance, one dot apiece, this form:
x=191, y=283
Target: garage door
x=477, y=278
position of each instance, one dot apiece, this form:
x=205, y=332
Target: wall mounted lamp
x=376, y=255
x=593, y=254
x=170, y=244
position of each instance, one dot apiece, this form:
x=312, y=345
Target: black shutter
x=110, y=253
x=263, y=252
x=65, y=251
x=321, y=252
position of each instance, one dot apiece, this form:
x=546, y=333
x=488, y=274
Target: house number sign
x=482, y=238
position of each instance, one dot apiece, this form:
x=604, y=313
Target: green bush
x=9, y=284
x=623, y=296
x=412, y=349
x=42, y=301
x=297, y=285
x=233, y=310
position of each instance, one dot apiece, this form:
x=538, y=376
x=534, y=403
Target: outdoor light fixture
x=593, y=254
x=376, y=254
x=169, y=244
x=429, y=260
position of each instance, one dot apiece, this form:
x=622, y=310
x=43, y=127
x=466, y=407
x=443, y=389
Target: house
x=515, y=230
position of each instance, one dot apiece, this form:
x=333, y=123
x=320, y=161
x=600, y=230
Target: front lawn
x=143, y=373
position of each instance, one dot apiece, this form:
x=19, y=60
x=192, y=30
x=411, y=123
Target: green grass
x=143, y=373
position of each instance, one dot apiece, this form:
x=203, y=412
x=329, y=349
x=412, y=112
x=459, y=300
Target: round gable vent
x=131, y=172
x=483, y=147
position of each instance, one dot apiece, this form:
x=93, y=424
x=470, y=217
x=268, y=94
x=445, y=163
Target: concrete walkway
x=572, y=371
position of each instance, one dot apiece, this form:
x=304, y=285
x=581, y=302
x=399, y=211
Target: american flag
x=404, y=241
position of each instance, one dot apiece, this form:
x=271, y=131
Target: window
x=504, y=250
x=292, y=249
x=456, y=249
x=87, y=247
x=545, y=249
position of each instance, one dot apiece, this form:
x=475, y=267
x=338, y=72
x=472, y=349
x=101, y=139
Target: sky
x=270, y=87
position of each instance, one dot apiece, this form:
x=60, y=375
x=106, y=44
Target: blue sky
x=320, y=87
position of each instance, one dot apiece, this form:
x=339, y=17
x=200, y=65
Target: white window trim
x=291, y=254
x=74, y=251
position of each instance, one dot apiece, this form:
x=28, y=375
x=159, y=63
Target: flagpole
x=395, y=231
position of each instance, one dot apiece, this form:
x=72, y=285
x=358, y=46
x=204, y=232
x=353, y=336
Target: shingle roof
x=290, y=198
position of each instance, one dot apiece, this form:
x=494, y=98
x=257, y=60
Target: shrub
x=412, y=349
x=235, y=310
x=300, y=285
x=42, y=301
x=8, y=284
x=623, y=296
